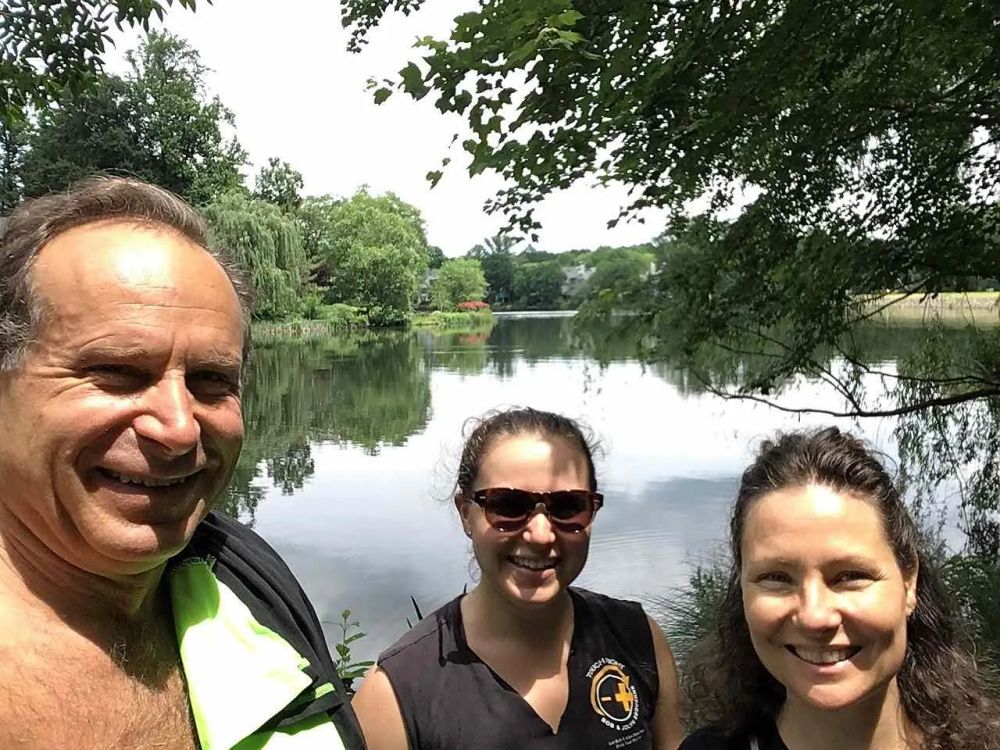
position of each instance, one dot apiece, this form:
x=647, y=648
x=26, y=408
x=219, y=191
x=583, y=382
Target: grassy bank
x=955, y=308
x=339, y=319
x=264, y=333
x=459, y=321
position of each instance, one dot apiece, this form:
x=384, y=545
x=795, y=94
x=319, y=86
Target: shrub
x=472, y=306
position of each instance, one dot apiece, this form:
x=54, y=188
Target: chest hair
x=60, y=691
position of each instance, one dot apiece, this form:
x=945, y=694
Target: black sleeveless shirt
x=451, y=700
x=763, y=736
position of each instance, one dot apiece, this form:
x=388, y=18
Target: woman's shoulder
x=426, y=638
x=625, y=620
x=603, y=602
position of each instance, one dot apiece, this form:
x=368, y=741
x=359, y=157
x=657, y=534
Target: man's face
x=123, y=424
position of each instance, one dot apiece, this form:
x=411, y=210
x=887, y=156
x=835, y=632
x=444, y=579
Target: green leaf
x=413, y=81
x=568, y=38
x=567, y=18
x=382, y=94
x=522, y=53
x=462, y=102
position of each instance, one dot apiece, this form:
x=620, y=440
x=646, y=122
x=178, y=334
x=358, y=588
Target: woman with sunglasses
x=834, y=633
x=525, y=661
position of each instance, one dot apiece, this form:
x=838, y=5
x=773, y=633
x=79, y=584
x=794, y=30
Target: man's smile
x=145, y=480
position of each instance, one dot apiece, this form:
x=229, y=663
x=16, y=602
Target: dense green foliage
x=155, y=123
x=494, y=255
x=48, y=49
x=12, y=148
x=279, y=183
x=435, y=256
x=616, y=269
x=498, y=269
x=538, y=286
x=266, y=243
x=458, y=280
x=375, y=254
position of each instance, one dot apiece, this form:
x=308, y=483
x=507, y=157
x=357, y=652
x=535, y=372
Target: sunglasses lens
x=571, y=510
x=508, y=510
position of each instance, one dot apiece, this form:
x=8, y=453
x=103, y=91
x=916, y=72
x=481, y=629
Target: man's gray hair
x=35, y=223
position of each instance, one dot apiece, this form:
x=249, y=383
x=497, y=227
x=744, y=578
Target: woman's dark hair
x=940, y=687
x=519, y=421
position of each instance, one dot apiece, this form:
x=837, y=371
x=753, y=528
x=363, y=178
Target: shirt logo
x=612, y=694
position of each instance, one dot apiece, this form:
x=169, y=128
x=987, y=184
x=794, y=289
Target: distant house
x=424, y=295
x=575, y=278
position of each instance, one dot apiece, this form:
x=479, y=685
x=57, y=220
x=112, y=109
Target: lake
x=352, y=443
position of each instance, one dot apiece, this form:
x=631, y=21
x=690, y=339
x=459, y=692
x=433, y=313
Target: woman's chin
x=532, y=588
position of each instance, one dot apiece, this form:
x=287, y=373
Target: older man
x=130, y=615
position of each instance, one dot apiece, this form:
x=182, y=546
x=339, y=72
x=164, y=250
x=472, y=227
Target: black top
x=713, y=738
x=451, y=700
x=259, y=577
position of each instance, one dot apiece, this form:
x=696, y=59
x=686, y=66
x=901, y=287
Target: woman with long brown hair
x=834, y=631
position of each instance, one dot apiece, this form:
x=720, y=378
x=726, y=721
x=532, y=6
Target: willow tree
x=267, y=244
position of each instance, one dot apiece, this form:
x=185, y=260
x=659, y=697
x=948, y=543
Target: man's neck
x=875, y=723
x=51, y=587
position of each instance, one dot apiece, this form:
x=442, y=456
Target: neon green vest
x=239, y=673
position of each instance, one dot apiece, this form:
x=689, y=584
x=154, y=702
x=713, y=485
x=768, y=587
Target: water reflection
x=350, y=443
x=365, y=391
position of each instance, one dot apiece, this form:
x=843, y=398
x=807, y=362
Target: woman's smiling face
x=824, y=597
x=534, y=566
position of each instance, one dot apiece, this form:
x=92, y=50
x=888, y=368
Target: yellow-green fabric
x=239, y=673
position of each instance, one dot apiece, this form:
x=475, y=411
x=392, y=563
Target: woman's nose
x=817, y=609
x=539, y=529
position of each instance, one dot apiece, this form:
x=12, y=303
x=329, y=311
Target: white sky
x=283, y=69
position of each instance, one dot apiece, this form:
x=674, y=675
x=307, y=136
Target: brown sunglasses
x=508, y=509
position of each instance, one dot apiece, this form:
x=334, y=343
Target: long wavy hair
x=942, y=691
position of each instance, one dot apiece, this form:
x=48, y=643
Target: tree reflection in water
x=369, y=390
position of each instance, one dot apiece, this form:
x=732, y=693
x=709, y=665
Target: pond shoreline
x=264, y=332
x=949, y=308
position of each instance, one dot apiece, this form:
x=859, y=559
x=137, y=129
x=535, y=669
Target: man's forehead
x=124, y=254
x=134, y=274
x=134, y=246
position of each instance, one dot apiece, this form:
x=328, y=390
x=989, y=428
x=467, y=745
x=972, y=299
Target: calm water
x=352, y=442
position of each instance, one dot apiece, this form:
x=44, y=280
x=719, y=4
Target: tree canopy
x=458, y=280
x=265, y=242
x=375, y=254
x=279, y=183
x=617, y=269
x=49, y=49
x=538, y=286
x=156, y=123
